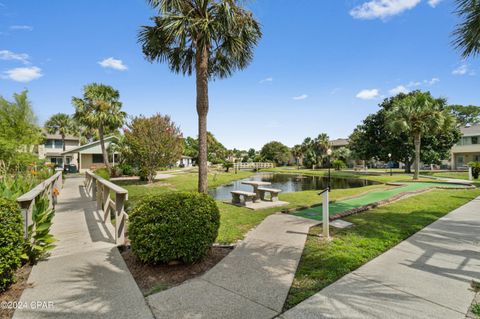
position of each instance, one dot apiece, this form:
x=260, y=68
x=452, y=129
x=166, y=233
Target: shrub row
x=11, y=241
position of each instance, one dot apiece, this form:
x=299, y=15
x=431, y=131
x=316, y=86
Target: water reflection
x=289, y=183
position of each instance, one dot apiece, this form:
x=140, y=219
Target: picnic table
x=256, y=185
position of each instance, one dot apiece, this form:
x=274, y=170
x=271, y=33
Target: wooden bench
x=273, y=193
x=248, y=197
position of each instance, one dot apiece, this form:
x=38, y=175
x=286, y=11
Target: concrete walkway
x=251, y=282
x=85, y=277
x=426, y=276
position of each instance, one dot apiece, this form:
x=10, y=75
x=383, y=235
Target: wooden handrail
x=27, y=200
x=99, y=189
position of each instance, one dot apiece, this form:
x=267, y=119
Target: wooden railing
x=100, y=190
x=45, y=188
x=253, y=165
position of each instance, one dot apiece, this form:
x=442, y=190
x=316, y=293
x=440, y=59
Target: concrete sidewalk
x=85, y=277
x=251, y=282
x=426, y=276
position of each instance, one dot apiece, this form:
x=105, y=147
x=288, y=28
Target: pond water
x=289, y=183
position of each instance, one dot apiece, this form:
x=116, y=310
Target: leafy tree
x=417, y=115
x=19, y=131
x=251, y=153
x=154, y=142
x=217, y=152
x=374, y=139
x=100, y=109
x=213, y=37
x=342, y=154
x=465, y=114
x=314, y=150
x=62, y=124
x=467, y=32
x=276, y=152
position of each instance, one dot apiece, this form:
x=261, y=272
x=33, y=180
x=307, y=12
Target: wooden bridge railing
x=253, y=165
x=45, y=188
x=100, y=190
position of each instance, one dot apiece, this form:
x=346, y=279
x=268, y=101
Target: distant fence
x=253, y=165
x=45, y=188
x=100, y=190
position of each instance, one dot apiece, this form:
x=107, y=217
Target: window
x=474, y=139
x=49, y=143
x=58, y=144
x=97, y=158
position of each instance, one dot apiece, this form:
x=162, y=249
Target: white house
x=90, y=155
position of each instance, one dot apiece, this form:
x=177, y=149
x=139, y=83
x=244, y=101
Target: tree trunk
x=104, y=150
x=417, y=139
x=408, y=165
x=202, y=111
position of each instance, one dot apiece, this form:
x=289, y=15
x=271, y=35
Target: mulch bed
x=13, y=293
x=155, y=278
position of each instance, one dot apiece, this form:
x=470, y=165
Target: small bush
x=173, y=226
x=103, y=172
x=11, y=241
x=127, y=169
x=475, y=169
x=338, y=165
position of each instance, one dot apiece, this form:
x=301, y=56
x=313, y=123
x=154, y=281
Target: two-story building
x=467, y=149
x=52, y=149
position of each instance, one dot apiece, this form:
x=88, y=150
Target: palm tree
x=212, y=37
x=467, y=34
x=100, y=109
x=321, y=144
x=419, y=114
x=297, y=152
x=62, y=124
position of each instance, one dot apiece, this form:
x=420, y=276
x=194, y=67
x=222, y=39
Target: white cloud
x=25, y=74
x=368, y=94
x=414, y=83
x=433, y=3
x=113, y=64
x=382, y=9
x=266, y=80
x=21, y=27
x=300, y=97
x=398, y=89
x=463, y=70
x=432, y=81
x=9, y=55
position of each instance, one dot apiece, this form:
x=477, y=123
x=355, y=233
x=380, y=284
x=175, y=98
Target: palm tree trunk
x=202, y=111
x=417, y=139
x=104, y=150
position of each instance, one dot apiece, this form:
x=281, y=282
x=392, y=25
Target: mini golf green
x=369, y=198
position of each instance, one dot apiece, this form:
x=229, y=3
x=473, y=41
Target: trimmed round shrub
x=11, y=241
x=173, y=226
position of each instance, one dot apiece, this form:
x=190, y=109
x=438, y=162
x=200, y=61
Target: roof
x=82, y=148
x=471, y=130
x=339, y=142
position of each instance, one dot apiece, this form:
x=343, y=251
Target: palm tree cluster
x=467, y=34
x=313, y=152
x=214, y=38
x=62, y=124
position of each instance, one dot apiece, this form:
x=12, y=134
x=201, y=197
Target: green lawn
x=373, y=233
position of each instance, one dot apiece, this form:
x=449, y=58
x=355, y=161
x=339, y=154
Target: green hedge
x=173, y=226
x=11, y=241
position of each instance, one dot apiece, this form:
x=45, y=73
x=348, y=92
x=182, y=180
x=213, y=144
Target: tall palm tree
x=419, y=114
x=100, y=109
x=321, y=144
x=212, y=37
x=297, y=152
x=467, y=34
x=62, y=124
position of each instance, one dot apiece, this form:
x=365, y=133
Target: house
x=52, y=149
x=89, y=156
x=338, y=143
x=467, y=149
x=185, y=161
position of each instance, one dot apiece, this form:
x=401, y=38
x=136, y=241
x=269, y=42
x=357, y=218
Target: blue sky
x=321, y=66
